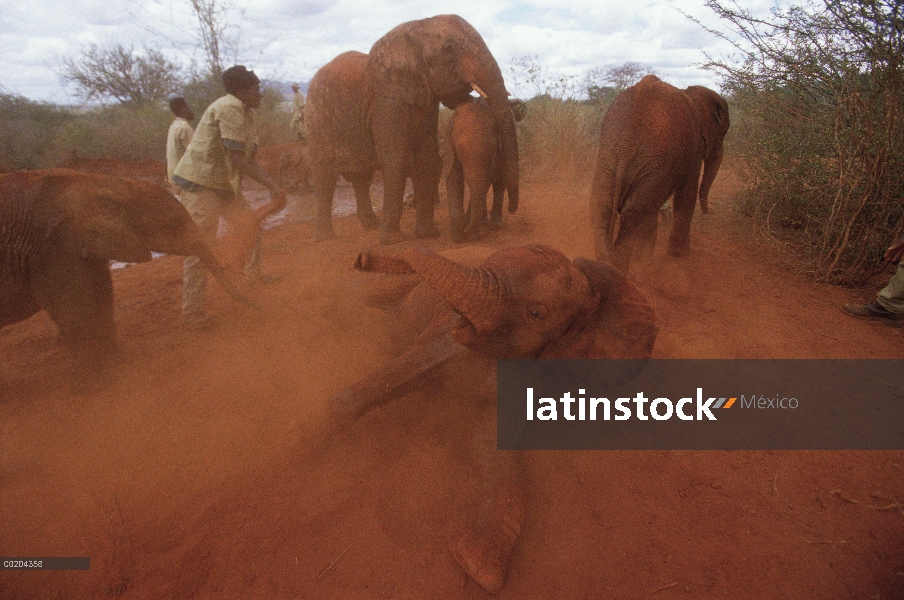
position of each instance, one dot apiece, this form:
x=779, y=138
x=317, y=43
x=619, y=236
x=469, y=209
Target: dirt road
x=203, y=470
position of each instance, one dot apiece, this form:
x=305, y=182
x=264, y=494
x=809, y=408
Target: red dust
x=204, y=469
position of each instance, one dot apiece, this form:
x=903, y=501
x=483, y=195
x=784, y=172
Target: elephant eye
x=537, y=312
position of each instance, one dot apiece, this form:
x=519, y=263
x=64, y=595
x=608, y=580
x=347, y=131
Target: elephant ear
x=86, y=216
x=713, y=113
x=623, y=326
x=396, y=68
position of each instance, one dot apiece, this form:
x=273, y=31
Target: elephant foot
x=369, y=221
x=458, y=237
x=387, y=238
x=483, y=552
x=324, y=233
x=679, y=251
x=494, y=224
x=426, y=231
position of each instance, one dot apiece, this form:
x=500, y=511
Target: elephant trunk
x=488, y=82
x=476, y=293
x=210, y=262
x=711, y=165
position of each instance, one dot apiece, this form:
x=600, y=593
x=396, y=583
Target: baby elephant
x=466, y=312
x=58, y=231
x=476, y=160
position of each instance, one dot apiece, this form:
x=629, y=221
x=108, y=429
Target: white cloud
x=291, y=39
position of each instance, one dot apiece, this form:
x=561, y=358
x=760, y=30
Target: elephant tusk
x=477, y=89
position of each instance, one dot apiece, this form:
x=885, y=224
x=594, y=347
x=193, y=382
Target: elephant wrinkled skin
x=60, y=228
x=522, y=302
x=653, y=140
x=477, y=162
x=381, y=110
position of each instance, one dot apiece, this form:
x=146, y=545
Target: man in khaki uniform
x=179, y=135
x=297, y=123
x=888, y=307
x=210, y=175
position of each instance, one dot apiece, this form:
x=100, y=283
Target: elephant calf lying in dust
x=522, y=302
x=58, y=231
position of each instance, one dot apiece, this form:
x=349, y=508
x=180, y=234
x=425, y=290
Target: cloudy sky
x=290, y=39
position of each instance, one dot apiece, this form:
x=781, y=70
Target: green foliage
x=817, y=112
x=273, y=118
x=37, y=136
x=559, y=137
x=27, y=132
x=129, y=133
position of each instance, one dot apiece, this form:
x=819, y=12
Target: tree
x=623, y=76
x=214, y=34
x=527, y=72
x=123, y=74
x=819, y=92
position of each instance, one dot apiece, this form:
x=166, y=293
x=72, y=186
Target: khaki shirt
x=227, y=123
x=177, y=141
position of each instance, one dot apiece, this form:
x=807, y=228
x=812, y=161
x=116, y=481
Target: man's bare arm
x=896, y=251
x=249, y=168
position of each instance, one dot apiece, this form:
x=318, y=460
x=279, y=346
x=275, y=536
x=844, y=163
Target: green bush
x=27, y=133
x=817, y=114
x=559, y=137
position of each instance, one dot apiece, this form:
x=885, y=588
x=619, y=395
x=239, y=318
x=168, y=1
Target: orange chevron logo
x=722, y=401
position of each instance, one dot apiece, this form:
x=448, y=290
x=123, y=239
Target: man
x=179, y=135
x=889, y=305
x=297, y=123
x=210, y=174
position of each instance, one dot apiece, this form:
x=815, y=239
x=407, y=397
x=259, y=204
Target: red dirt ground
x=203, y=470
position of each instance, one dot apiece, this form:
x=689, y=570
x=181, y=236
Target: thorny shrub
x=817, y=94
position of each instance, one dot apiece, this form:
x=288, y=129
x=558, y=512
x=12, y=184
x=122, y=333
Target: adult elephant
x=60, y=228
x=523, y=302
x=381, y=110
x=653, y=140
x=476, y=161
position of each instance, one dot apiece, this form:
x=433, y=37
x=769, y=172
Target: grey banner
x=700, y=405
x=44, y=563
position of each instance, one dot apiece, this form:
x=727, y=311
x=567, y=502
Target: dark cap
x=177, y=103
x=238, y=78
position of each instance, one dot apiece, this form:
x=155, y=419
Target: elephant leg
x=455, y=196
x=324, y=188
x=478, y=186
x=638, y=220
x=77, y=293
x=604, y=200
x=646, y=235
x=496, y=211
x=395, y=129
x=361, y=184
x=425, y=174
x=483, y=550
x=433, y=348
x=683, y=205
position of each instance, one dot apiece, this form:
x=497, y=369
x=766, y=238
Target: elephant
x=522, y=302
x=476, y=161
x=381, y=111
x=59, y=229
x=653, y=140
x=290, y=163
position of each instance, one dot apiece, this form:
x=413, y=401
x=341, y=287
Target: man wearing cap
x=210, y=175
